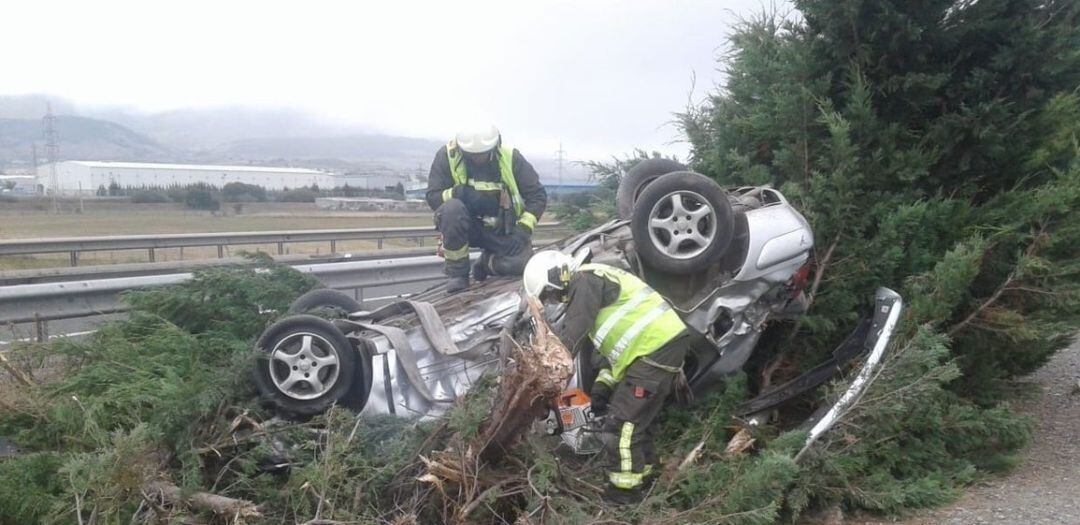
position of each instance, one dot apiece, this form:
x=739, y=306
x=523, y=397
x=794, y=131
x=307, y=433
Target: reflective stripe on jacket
x=505, y=155
x=637, y=324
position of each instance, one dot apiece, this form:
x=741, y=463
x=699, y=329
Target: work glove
x=478, y=203
x=601, y=396
x=519, y=239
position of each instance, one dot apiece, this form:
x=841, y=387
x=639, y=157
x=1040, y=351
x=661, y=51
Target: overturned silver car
x=727, y=261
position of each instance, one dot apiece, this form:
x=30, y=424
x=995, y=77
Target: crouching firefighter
x=643, y=341
x=484, y=195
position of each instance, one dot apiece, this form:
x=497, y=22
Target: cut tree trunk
x=539, y=374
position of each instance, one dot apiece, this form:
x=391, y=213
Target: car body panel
x=779, y=238
x=744, y=300
x=727, y=306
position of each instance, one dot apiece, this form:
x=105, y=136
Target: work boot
x=480, y=269
x=457, y=284
x=457, y=275
x=616, y=496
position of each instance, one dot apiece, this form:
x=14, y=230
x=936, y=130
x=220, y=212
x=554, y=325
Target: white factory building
x=83, y=176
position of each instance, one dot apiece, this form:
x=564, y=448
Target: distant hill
x=33, y=106
x=224, y=135
x=211, y=128
x=390, y=149
x=548, y=168
x=79, y=138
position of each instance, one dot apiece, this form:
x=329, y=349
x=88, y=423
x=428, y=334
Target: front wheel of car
x=682, y=223
x=305, y=365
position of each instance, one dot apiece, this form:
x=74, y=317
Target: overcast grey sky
x=601, y=76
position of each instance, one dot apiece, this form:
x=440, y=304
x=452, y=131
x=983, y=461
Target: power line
x=559, y=157
x=52, y=152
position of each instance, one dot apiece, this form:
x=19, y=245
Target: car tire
x=682, y=223
x=325, y=302
x=637, y=178
x=301, y=377
x=356, y=397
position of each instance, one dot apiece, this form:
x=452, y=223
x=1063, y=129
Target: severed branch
x=821, y=270
x=463, y=515
x=15, y=372
x=220, y=505
x=740, y=442
x=818, y=274
x=692, y=456
x=1036, y=243
x=982, y=307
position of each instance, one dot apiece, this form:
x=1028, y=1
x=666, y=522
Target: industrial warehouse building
x=75, y=177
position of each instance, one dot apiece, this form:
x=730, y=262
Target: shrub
x=177, y=193
x=298, y=195
x=201, y=197
x=240, y=192
x=136, y=399
x=149, y=197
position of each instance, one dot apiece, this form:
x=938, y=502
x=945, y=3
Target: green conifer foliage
x=933, y=147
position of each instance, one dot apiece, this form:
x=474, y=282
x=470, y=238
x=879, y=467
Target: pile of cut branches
x=537, y=374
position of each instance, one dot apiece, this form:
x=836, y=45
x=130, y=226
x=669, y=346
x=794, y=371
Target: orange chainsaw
x=572, y=418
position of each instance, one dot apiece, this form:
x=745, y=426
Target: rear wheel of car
x=325, y=302
x=637, y=178
x=682, y=223
x=305, y=366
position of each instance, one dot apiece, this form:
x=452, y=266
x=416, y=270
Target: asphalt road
x=1044, y=489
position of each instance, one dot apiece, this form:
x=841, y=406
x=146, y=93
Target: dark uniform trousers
x=460, y=229
x=634, y=406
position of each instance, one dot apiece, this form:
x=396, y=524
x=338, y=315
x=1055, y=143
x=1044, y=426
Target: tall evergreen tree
x=933, y=146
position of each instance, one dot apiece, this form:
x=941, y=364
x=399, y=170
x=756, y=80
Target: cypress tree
x=932, y=145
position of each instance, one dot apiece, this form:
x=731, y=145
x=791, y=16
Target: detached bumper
x=871, y=337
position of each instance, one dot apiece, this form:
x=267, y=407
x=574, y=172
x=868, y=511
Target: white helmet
x=545, y=270
x=480, y=139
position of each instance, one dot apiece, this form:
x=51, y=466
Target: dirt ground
x=1045, y=487
x=134, y=219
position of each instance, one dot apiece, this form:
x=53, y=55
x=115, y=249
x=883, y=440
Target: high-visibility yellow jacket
x=505, y=156
x=636, y=324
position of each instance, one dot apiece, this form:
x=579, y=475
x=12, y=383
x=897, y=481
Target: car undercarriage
x=415, y=357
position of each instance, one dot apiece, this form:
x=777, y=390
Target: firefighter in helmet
x=485, y=195
x=643, y=341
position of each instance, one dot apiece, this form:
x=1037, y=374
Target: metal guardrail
x=112, y=271
x=40, y=303
x=76, y=245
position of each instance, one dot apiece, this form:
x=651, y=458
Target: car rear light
x=798, y=281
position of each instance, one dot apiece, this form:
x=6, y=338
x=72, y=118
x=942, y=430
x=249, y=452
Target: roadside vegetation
x=209, y=197
x=932, y=146
x=154, y=419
